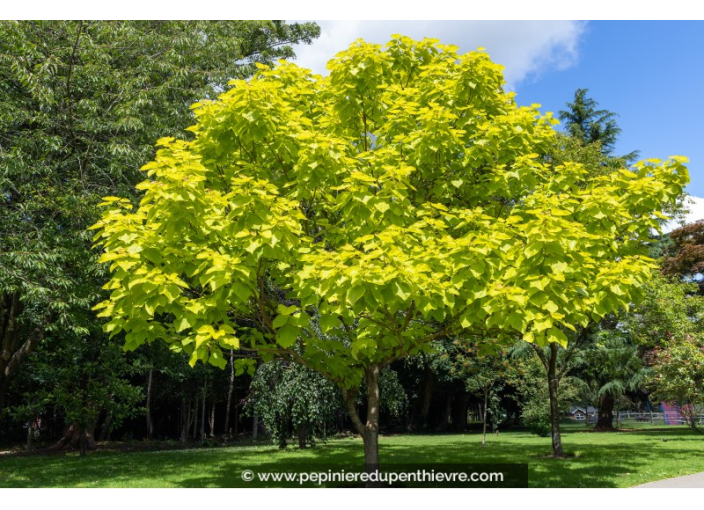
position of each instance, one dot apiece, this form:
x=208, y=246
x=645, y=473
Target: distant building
x=580, y=413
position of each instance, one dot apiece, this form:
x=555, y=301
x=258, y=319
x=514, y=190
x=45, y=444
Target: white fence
x=623, y=418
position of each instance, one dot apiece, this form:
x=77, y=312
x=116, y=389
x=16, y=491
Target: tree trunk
x=418, y=417
x=195, y=419
x=255, y=425
x=428, y=381
x=459, y=412
x=202, y=413
x=229, y=392
x=486, y=400
x=554, y=408
x=606, y=413
x=13, y=349
x=3, y=392
x=237, y=414
x=446, y=417
x=302, y=433
x=150, y=423
x=202, y=421
x=105, y=428
x=30, y=431
x=183, y=432
x=371, y=429
x=84, y=442
x=76, y=436
x=187, y=418
x=211, y=420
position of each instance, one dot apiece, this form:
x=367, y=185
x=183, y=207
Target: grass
x=601, y=459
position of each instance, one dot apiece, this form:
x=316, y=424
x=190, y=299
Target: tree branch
x=350, y=397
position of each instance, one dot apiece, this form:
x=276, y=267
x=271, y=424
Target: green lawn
x=614, y=459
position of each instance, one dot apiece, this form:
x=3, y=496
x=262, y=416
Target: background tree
x=679, y=378
x=670, y=310
x=81, y=103
x=684, y=253
x=293, y=400
x=557, y=361
x=668, y=327
x=399, y=200
x=83, y=381
x=484, y=368
x=610, y=364
x=584, y=122
x=533, y=393
x=438, y=398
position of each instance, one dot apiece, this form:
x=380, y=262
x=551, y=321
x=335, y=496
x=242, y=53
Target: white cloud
x=525, y=48
x=696, y=212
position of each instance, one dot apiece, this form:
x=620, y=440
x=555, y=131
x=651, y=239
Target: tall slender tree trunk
x=302, y=433
x=237, y=414
x=606, y=412
x=229, y=392
x=459, y=412
x=150, y=424
x=188, y=416
x=3, y=392
x=446, y=416
x=486, y=400
x=105, y=428
x=30, y=431
x=184, y=421
x=428, y=383
x=83, y=442
x=202, y=414
x=554, y=408
x=211, y=420
x=195, y=419
x=182, y=424
x=371, y=429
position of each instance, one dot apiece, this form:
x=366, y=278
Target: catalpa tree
x=346, y=221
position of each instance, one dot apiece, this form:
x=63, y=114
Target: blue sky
x=651, y=74
x=648, y=72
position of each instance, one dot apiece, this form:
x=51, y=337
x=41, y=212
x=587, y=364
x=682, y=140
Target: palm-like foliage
x=609, y=365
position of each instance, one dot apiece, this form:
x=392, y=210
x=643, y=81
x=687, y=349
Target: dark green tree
x=294, y=400
x=671, y=310
x=82, y=380
x=590, y=125
x=81, y=104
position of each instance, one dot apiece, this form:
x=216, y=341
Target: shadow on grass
x=604, y=463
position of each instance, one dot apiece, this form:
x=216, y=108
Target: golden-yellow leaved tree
x=347, y=221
